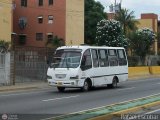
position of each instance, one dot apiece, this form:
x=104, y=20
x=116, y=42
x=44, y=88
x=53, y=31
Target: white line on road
x=152, y=111
x=158, y=83
x=126, y=88
x=60, y=98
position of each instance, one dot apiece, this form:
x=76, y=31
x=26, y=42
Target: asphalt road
x=49, y=101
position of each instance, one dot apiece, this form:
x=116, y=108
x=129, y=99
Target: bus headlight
x=74, y=77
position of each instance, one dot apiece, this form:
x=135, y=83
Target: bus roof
x=87, y=47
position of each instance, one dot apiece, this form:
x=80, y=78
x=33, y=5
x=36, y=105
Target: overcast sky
x=138, y=6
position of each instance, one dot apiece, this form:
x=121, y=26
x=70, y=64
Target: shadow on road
x=93, y=89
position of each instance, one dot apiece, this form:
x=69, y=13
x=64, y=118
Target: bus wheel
x=86, y=86
x=61, y=89
x=114, y=83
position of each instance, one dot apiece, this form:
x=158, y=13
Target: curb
x=15, y=89
x=131, y=110
x=19, y=87
x=130, y=78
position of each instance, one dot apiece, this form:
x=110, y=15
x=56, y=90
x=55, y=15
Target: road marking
x=126, y=88
x=152, y=111
x=158, y=83
x=60, y=98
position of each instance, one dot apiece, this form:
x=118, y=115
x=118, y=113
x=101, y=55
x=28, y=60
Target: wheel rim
x=86, y=86
x=114, y=83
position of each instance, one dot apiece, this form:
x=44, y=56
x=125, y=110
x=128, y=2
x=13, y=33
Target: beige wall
x=5, y=20
x=145, y=23
x=74, y=22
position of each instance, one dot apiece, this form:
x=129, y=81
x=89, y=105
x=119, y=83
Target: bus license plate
x=59, y=83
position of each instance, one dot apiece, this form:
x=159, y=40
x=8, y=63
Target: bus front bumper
x=68, y=83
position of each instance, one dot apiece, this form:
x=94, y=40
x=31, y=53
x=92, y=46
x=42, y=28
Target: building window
x=22, y=39
x=22, y=22
x=39, y=36
x=50, y=2
x=50, y=19
x=50, y=37
x=40, y=19
x=40, y=3
x=24, y=3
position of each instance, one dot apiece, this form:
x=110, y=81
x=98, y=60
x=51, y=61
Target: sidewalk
x=143, y=77
x=24, y=86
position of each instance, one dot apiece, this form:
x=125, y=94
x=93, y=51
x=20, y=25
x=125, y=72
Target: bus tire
x=86, y=86
x=61, y=89
x=114, y=83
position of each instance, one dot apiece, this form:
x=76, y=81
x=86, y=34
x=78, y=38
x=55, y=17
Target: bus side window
x=95, y=58
x=121, y=57
x=113, y=60
x=103, y=58
x=86, y=62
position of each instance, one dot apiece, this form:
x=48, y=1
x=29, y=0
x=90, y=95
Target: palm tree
x=127, y=20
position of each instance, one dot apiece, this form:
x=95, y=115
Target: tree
x=4, y=46
x=55, y=42
x=109, y=33
x=94, y=12
x=141, y=41
x=127, y=19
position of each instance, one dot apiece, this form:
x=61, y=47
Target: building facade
x=5, y=20
x=35, y=22
x=150, y=20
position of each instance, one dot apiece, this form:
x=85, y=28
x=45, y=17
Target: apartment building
x=37, y=21
x=5, y=20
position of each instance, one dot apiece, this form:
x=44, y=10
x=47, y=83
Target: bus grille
x=60, y=76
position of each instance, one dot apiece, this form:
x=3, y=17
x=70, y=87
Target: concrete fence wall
x=4, y=68
x=143, y=71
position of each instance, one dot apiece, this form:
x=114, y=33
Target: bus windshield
x=66, y=58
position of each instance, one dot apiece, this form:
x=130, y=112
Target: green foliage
x=127, y=20
x=94, y=12
x=109, y=33
x=141, y=41
x=55, y=42
x=4, y=44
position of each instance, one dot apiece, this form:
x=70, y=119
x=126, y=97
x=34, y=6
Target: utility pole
x=116, y=7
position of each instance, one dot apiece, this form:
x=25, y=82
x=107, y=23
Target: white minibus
x=87, y=66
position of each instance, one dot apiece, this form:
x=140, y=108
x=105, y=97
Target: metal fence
x=31, y=64
x=150, y=60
